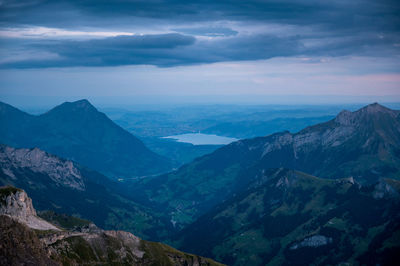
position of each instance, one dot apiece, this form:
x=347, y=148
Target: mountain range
x=328, y=194
x=364, y=145
x=78, y=131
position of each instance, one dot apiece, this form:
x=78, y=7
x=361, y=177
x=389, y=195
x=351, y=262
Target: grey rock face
x=63, y=172
x=19, y=207
x=129, y=240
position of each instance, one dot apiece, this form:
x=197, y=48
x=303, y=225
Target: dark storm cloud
x=335, y=13
x=336, y=28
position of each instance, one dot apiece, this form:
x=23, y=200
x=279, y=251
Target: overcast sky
x=275, y=51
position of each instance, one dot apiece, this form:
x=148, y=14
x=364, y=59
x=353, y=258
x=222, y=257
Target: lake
x=201, y=139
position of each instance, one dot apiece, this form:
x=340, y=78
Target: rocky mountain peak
x=374, y=110
x=16, y=204
x=375, y=107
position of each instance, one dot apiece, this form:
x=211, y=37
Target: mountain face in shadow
x=287, y=217
x=364, y=144
x=77, y=131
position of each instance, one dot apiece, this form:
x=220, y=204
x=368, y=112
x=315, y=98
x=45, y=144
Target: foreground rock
x=16, y=204
x=29, y=240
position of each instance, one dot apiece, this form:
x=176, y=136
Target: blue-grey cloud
x=167, y=50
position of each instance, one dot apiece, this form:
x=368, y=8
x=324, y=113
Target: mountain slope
x=64, y=186
x=290, y=218
x=364, y=144
x=77, y=131
x=23, y=244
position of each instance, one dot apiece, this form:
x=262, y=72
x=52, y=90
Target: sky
x=155, y=51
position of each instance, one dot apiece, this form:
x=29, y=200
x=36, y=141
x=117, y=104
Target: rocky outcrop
x=83, y=245
x=17, y=205
x=63, y=172
x=129, y=240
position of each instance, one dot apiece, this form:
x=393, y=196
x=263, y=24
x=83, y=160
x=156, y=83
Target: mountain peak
x=375, y=108
x=346, y=117
x=81, y=104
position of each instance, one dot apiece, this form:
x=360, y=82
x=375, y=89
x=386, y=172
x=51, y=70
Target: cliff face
x=62, y=172
x=30, y=240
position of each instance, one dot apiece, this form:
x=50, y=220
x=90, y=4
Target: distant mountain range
x=77, y=131
x=27, y=239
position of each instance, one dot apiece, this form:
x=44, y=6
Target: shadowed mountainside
x=286, y=217
x=77, y=131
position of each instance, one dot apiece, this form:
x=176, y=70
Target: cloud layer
x=175, y=33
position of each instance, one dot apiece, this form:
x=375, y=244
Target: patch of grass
x=337, y=223
x=63, y=220
x=161, y=254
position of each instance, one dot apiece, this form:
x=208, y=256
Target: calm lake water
x=202, y=139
